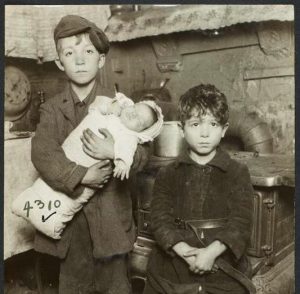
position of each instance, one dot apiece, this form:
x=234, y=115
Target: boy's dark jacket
x=109, y=212
x=186, y=190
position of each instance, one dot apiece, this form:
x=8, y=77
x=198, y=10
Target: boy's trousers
x=81, y=273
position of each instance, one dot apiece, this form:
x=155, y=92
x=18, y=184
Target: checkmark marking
x=45, y=218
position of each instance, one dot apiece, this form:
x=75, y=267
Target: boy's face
x=137, y=117
x=79, y=59
x=203, y=134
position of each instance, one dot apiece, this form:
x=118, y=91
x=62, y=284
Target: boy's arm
x=100, y=148
x=140, y=158
x=236, y=233
x=49, y=158
x=162, y=213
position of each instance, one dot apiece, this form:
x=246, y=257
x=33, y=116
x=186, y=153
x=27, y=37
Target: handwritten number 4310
x=40, y=204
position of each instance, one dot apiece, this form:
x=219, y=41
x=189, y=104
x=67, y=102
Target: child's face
x=203, y=134
x=137, y=117
x=79, y=59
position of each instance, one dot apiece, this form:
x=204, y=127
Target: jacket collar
x=221, y=160
x=67, y=103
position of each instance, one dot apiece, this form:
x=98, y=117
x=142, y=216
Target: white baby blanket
x=49, y=210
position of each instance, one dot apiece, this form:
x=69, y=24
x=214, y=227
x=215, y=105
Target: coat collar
x=67, y=103
x=221, y=160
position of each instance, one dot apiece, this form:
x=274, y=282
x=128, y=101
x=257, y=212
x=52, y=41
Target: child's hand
x=180, y=249
x=97, y=147
x=121, y=170
x=97, y=175
x=191, y=261
x=205, y=257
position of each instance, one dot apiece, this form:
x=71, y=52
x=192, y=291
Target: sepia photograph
x=149, y=149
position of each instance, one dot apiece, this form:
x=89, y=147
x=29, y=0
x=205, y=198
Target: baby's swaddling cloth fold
x=49, y=210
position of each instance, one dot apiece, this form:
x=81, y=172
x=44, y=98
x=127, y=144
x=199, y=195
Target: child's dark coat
x=187, y=190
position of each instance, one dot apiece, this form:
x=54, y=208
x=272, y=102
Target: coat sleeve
x=237, y=231
x=162, y=212
x=49, y=158
x=140, y=158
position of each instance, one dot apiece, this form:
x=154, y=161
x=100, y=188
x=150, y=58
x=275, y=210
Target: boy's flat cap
x=71, y=25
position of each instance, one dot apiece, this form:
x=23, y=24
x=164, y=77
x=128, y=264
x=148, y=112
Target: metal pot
x=17, y=93
x=139, y=257
x=170, y=142
x=121, y=9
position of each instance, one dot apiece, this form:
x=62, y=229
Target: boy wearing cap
x=94, y=246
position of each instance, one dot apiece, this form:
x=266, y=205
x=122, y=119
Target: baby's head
x=138, y=117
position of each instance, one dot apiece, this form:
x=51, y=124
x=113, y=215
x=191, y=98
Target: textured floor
x=17, y=287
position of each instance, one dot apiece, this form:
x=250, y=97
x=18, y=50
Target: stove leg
x=38, y=273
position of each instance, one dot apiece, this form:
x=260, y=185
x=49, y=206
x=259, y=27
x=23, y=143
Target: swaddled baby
x=129, y=124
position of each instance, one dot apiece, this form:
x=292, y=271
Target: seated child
x=201, y=211
x=129, y=125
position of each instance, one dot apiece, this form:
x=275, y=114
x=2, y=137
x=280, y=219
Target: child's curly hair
x=201, y=99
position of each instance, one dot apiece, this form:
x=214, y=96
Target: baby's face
x=137, y=117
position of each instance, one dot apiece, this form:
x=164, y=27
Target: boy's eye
x=195, y=124
x=214, y=124
x=90, y=51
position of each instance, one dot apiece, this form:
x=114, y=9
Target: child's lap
x=175, y=270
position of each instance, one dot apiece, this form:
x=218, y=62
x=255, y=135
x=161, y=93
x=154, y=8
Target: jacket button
x=207, y=170
x=178, y=221
x=200, y=289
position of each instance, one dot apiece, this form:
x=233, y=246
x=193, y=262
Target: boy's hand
x=180, y=249
x=97, y=147
x=204, y=260
x=205, y=257
x=191, y=261
x=97, y=175
x=121, y=170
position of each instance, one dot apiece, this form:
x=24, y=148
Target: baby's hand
x=121, y=170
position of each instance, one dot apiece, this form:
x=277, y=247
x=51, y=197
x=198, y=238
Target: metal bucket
x=170, y=142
